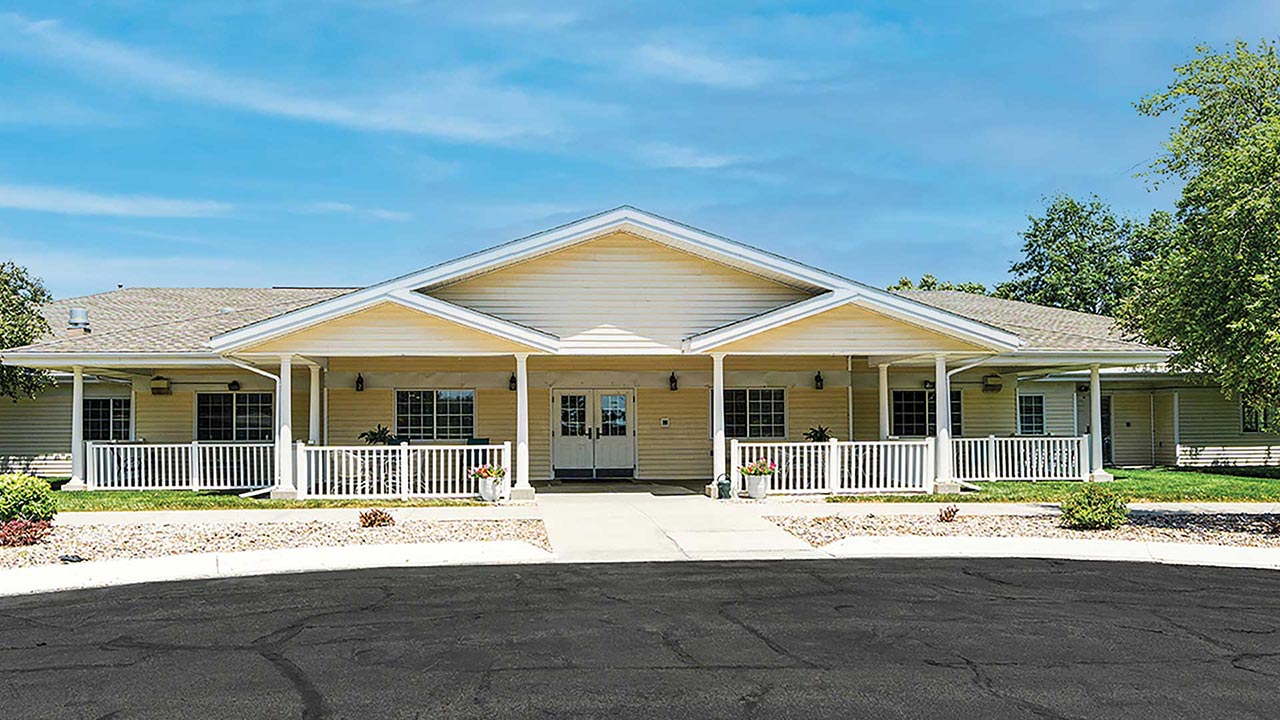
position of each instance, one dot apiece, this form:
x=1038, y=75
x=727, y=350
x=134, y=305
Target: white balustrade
x=403, y=471
x=840, y=467
x=179, y=466
x=1020, y=458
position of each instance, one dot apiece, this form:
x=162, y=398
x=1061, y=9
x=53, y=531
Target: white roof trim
x=57, y=360
x=648, y=225
x=892, y=306
x=355, y=302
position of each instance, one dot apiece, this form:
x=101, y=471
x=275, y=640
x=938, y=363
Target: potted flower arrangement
x=490, y=478
x=757, y=476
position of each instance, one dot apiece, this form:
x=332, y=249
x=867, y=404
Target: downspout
x=276, y=394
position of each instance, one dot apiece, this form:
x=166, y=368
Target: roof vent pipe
x=78, y=319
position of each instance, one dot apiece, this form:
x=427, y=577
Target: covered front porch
x=293, y=427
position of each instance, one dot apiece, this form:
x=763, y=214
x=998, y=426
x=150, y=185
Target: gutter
x=275, y=408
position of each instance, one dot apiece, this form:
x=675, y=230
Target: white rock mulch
x=112, y=542
x=1243, y=530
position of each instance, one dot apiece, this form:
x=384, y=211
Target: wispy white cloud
x=700, y=68
x=465, y=105
x=68, y=201
x=348, y=209
x=51, y=111
x=667, y=155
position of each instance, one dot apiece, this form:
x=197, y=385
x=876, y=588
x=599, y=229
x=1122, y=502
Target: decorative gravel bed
x=1252, y=530
x=108, y=542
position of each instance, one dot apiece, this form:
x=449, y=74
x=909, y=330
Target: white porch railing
x=178, y=466
x=1021, y=458
x=840, y=467
x=405, y=471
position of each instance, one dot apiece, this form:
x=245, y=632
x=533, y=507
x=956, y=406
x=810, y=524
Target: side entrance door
x=593, y=433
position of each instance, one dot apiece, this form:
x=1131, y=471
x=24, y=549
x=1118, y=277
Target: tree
x=1213, y=293
x=929, y=282
x=1220, y=97
x=21, y=297
x=1080, y=256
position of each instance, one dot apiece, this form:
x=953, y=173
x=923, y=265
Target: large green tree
x=1079, y=255
x=1217, y=98
x=1213, y=294
x=21, y=296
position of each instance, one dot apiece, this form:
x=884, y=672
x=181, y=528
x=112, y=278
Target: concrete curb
x=203, y=566
x=1055, y=549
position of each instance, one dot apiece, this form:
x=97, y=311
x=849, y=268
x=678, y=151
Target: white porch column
x=1096, y=474
x=284, y=431
x=313, y=420
x=718, y=451
x=884, y=401
x=942, y=414
x=522, y=490
x=77, y=481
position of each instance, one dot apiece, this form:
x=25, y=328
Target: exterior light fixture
x=817, y=381
x=928, y=384
x=673, y=382
x=234, y=385
x=511, y=384
x=359, y=382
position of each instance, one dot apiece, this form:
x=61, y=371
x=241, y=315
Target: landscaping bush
x=17, y=533
x=376, y=518
x=1096, y=507
x=23, y=497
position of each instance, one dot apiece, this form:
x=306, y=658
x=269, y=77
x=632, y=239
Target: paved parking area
x=815, y=639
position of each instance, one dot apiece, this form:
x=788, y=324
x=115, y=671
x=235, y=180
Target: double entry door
x=593, y=432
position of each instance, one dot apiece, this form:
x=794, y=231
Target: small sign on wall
x=666, y=422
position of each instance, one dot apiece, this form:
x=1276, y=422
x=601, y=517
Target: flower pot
x=757, y=485
x=491, y=491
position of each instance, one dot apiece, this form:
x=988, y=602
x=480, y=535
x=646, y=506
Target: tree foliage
x=1081, y=256
x=929, y=282
x=1213, y=293
x=1219, y=97
x=21, y=296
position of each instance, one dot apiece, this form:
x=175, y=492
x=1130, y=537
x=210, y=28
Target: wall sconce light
x=511, y=384
x=928, y=384
x=673, y=382
x=359, y=382
x=234, y=385
x=817, y=381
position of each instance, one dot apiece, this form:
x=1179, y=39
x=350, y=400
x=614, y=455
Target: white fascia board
x=898, y=308
x=60, y=360
x=361, y=300
x=1083, y=358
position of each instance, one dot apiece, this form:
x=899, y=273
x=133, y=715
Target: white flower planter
x=757, y=485
x=492, y=491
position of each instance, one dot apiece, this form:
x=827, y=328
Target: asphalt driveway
x=812, y=639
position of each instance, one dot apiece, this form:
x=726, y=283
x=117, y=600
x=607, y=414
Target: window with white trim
x=1254, y=419
x=435, y=414
x=913, y=413
x=1031, y=415
x=235, y=416
x=755, y=413
x=106, y=418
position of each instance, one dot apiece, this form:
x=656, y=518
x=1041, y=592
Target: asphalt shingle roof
x=1043, y=328
x=172, y=320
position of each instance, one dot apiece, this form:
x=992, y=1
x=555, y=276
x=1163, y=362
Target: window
x=106, y=418
x=913, y=413
x=235, y=416
x=1031, y=415
x=1254, y=419
x=755, y=413
x=573, y=416
x=435, y=414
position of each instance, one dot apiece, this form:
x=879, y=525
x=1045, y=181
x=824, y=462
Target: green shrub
x=1096, y=507
x=23, y=497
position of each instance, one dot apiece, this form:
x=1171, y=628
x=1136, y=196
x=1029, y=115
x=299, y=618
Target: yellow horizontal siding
x=681, y=451
x=988, y=413
x=35, y=435
x=165, y=418
x=1210, y=432
x=1131, y=428
x=1166, y=453
x=846, y=330
x=620, y=293
x=388, y=329
x=807, y=408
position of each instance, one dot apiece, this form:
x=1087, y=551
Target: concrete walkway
x=655, y=525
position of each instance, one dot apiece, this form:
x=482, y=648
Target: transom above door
x=593, y=432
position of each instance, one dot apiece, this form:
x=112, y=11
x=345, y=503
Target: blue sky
x=330, y=142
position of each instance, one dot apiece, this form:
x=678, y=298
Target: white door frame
x=593, y=412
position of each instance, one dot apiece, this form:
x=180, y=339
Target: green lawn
x=83, y=501
x=1139, y=485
